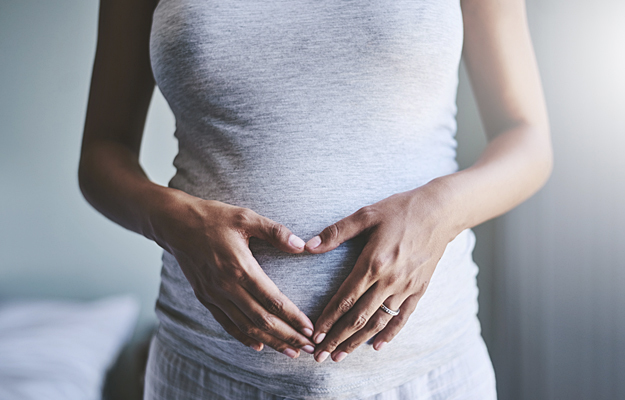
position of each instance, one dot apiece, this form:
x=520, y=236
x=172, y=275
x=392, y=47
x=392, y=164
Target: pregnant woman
x=317, y=233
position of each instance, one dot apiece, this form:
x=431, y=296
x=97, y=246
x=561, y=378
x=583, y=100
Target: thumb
x=332, y=236
x=276, y=234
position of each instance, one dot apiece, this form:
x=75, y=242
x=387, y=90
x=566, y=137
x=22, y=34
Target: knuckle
x=359, y=321
x=278, y=230
x=249, y=330
x=345, y=305
x=368, y=215
x=326, y=326
x=379, y=324
x=333, y=344
x=238, y=276
x=377, y=265
x=330, y=233
x=400, y=322
x=226, y=283
x=409, y=284
x=225, y=286
x=265, y=322
x=243, y=218
x=242, y=279
x=421, y=287
x=293, y=341
x=278, y=346
x=275, y=305
x=351, y=346
x=396, y=277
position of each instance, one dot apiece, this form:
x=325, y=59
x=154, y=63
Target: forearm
x=514, y=166
x=113, y=182
x=407, y=234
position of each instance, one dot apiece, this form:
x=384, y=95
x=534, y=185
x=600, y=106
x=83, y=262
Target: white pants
x=171, y=376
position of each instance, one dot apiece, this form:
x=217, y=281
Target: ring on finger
x=389, y=311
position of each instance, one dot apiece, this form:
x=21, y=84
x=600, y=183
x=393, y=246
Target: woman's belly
x=308, y=182
x=309, y=280
x=444, y=321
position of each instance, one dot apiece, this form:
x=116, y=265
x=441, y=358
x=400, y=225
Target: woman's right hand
x=210, y=241
x=208, y=238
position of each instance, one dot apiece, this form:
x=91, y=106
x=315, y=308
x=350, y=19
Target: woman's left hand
x=407, y=235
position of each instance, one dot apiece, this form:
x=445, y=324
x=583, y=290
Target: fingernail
x=308, y=349
x=379, y=346
x=314, y=242
x=296, y=242
x=290, y=352
x=257, y=347
x=320, y=338
x=340, y=356
x=307, y=332
x=322, y=356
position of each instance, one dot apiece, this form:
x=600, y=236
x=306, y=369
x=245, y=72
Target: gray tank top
x=305, y=111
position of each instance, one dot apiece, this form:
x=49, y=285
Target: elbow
x=536, y=150
x=549, y=166
x=82, y=180
x=544, y=155
x=85, y=181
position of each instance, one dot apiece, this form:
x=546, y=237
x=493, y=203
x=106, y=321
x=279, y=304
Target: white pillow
x=57, y=349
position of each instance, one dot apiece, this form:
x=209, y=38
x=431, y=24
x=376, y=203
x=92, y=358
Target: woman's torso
x=305, y=111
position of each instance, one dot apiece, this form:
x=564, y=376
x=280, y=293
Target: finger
x=232, y=329
x=376, y=323
x=245, y=325
x=354, y=286
x=353, y=321
x=267, y=322
x=274, y=233
x=273, y=300
x=397, y=322
x=347, y=228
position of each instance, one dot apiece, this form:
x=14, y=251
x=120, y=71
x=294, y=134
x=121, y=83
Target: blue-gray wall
x=52, y=243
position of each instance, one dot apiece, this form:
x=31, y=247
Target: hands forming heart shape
x=407, y=234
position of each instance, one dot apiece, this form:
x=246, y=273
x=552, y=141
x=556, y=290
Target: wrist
x=166, y=206
x=445, y=206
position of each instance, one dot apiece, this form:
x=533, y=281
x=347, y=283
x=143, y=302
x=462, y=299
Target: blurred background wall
x=552, y=303
x=53, y=243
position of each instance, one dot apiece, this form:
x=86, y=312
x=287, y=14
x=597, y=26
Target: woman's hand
x=408, y=232
x=407, y=235
x=210, y=241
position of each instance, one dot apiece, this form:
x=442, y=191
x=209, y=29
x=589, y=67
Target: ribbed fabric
x=170, y=376
x=305, y=111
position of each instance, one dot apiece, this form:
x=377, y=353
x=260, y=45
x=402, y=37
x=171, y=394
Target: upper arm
x=501, y=64
x=122, y=82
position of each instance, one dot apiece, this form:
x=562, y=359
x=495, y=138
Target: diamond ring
x=389, y=311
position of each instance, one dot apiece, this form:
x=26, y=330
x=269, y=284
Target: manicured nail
x=314, y=242
x=320, y=338
x=379, y=346
x=308, y=349
x=296, y=242
x=307, y=332
x=322, y=356
x=340, y=356
x=290, y=352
